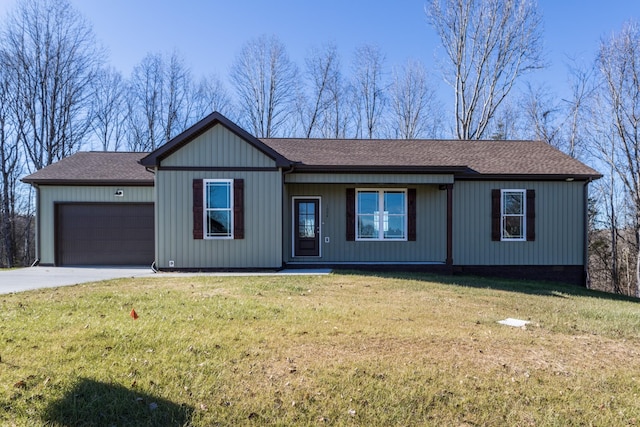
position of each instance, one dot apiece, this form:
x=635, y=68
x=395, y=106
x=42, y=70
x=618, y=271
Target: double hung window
x=218, y=208
x=513, y=216
x=381, y=214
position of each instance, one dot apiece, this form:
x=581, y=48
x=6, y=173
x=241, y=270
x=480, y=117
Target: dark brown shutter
x=531, y=215
x=351, y=214
x=495, y=215
x=198, y=209
x=238, y=208
x=411, y=214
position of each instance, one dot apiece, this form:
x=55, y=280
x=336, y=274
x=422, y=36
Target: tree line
x=58, y=94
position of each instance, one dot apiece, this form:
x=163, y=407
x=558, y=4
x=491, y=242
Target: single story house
x=217, y=198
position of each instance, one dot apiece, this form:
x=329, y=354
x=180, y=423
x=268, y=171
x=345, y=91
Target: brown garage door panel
x=104, y=234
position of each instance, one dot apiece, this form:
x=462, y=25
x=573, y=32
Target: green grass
x=343, y=349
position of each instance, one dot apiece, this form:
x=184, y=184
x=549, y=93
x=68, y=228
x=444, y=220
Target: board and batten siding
x=262, y=243
x=219, y=147
x=430, y=244
x=51, y=194
x=559, y=209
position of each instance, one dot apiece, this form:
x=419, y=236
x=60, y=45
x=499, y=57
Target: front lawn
x=343, y=349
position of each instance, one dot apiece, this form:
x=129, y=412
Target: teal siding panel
x=262, y=245
x=219, y=147
x=430, y=244
x=559, y=225
x=50, y=194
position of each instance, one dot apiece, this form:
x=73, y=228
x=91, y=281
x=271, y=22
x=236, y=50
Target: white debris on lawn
x=513, y=322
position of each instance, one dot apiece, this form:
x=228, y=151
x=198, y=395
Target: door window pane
x=306, y=220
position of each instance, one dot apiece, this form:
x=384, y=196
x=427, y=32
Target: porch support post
x=449, y=260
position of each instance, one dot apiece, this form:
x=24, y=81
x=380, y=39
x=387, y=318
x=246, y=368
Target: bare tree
x=321, y=75
x=583, y=89
x=488, y=45
x=415, y=108
x=143, y=104
x=368, y=89
x=336, y=120
x=265, y=82
x=211, y=95
x=619, y=120
x=51, y=57
x=9, y=170
x=161, y=99
x=541, y=115
x=109, y=109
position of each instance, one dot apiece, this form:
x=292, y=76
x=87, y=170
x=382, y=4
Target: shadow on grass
x=554, y=289
x=92, y=403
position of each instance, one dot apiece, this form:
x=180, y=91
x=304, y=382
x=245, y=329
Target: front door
x=306, y=227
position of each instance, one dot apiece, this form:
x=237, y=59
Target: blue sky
x=210, y=33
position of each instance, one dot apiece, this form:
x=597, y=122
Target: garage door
x=104, y=234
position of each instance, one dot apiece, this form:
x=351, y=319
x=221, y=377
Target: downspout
x=285, y=172
x=38, y=228
x=585, y=236
x=154, y=266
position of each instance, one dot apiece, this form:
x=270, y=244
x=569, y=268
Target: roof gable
x=155, y=158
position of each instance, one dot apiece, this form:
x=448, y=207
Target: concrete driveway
x=24, y=279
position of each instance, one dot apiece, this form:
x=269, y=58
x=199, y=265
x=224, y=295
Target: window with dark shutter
x=411, y=214
x=531, y=215
x=351, y=214
x=377, y=214
x=495, y=215
x=198, y=209
x=513, y=215
x=238, y=209
x=217, y=203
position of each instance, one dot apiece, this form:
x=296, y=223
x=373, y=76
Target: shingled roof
x=471, y=159
x=95, y=168
x=512, y=158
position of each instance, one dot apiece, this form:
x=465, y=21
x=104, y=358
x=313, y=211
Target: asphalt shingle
x=484, y=157
x=94, y=167
x=512, y=158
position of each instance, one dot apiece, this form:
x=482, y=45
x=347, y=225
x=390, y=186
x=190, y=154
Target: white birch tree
x=619, y=120
x=265, y=81
x=415, y=110
x=488, y=46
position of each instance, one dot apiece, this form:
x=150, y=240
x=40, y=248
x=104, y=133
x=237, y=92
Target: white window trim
x=205, y=209
x=523, y=215
x=381, y=192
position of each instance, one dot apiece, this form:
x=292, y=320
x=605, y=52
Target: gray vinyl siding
x=262, y=243
x=218, y=147
x=430, y=244
x=51, y=194
x=559, y=225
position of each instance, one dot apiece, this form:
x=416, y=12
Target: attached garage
x=95, y=209
x=104, y=234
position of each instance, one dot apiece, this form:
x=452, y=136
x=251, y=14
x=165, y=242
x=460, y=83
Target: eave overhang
x=89, y=182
